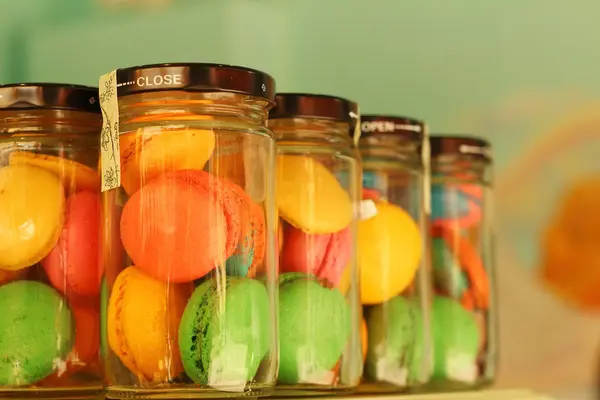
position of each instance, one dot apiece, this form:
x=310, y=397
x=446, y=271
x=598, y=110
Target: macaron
x=10, y=276
x=181, y=225
x=32, y=201
x=324, y=255
x=280, y=239
x=396, y=341
x=310, y=197
x=456, y=340
x=471, y=263
x=84, y=355
x=36, y=330
x=227, y=161
x=448, y=275
x=87, y=337
x=225, y=331
x=346, y=279
x=142, y=324
x=73, y=175
x=389, y=253
x=314, y=329
x=250, y=250
x=370, y=194
x=73, y=266
x=146, y=154
x=456, y=204
x=364, y=339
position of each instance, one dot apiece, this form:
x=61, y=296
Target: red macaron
x=181, y=225
x=73, y=266
x=323, y=255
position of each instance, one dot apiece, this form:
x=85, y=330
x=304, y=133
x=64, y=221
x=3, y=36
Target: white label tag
x=307, y=373
x=228, y=370
x=368, y=209
x=110, y=152
x=461, y=367
x=388, y=370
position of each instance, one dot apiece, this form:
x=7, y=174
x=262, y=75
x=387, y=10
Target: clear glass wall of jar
x=463, y=309
x=189, y=244
x=392, y=244
x=49, y=241
x=318, y=184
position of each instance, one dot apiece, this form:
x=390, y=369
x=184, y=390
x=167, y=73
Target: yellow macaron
x=74, y=176
x=310, y=197
x=389, y=253
x=32, y=202
x=145, y=154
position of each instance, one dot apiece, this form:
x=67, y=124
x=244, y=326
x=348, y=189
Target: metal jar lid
x=406, y=128
x=49, y=96
x=303, y=105
x=460, y=145
x=195, y=77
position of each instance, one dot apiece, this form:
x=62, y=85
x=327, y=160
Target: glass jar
x=463, y=308
x=318, y=182
x=189, y=245
x=49, y=241
x=395, y=285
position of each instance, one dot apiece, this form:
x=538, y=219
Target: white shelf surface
x=523, y=394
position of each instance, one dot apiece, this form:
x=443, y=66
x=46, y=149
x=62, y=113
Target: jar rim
x=465, y=145
x=49, y=96
x=195, y=77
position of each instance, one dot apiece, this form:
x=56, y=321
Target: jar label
x=357, y=130
x=110, y=153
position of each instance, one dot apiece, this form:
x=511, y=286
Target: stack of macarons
x=50, y=270
x=185, y=308
x=461, y=282
x=389, y=254
x=316, y=252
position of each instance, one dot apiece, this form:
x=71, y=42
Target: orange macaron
x=250, y=250
x=181, y=225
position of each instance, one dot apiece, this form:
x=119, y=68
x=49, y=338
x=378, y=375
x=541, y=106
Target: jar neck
x=193, y=106
x=462, y=168
x=48, y=122
x=317, y=131
x=391, y=149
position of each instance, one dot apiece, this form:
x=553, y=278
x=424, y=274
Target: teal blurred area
x=521, y=73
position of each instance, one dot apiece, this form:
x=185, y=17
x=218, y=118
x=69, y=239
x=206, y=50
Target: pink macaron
x=73, y=266
x=323, y=255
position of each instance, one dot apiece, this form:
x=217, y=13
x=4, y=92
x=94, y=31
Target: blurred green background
x=434, y=59
x=522, y=73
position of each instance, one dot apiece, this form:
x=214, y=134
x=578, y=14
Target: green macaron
x=314, y=328
x=36, y=330
x=456, y=339
x=447, y=272
x=225, y=331
x=396, y=341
